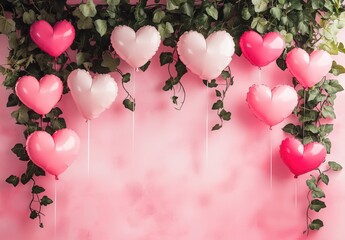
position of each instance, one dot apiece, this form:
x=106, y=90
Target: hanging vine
x=296, y=20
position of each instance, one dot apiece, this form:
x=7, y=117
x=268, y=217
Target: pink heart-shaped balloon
x=53, y=153
x=136, y=48
x=261, y=51
x=272, y=107
x=41, y=96
x=206, y=58
x=302, y=159
x=308, y=70
x=92, y=96
x=53, y=41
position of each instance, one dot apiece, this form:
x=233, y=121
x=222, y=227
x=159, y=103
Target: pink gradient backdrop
x=165, y=184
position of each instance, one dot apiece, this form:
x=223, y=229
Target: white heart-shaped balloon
x=206, y=58
x=92, y=95
x=136, y=48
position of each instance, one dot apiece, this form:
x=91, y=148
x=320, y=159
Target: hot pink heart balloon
x=261, y=51
x=272, y=107
x=53, y=41
x=92, y=96
x=206, y=58
x=53, y=153
x=302, y=159
x=136, y=48
x=41, y=96
x=308, y=70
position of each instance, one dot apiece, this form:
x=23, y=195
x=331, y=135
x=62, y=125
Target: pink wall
x=166, y=183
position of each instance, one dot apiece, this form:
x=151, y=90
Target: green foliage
x=308, y=25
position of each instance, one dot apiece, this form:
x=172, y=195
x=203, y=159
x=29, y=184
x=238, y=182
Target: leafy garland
x=294, y=19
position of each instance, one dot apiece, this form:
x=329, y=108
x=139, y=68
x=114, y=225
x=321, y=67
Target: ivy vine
x=306, y=24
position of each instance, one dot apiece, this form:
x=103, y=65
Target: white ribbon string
x=206, y=130
x=88, y=147
x=55, y=207
x=296, y=192
x=271, y=159
x=133, y=113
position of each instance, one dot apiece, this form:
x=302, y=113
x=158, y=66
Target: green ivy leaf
x=187, y=9
x=327, y=143
x=218, y=93
x=216, y=127
x=276, y=12
x=324, y=178
x=101, y=26
x=168, y=85
x=88, y=9
x=110, y=62
x=292, y=129
x=145, y=66
x=165, y=58
x=212, y=12
x=158, y=15
x=29, y=17
x=126, y=78
x=165, y=30
x=113, y=2
x=316, y=224
x=20, y=151
x=311, y=183
x=317, y=193
x=180, y=68
x=245, y=13
x=337, y=69
x=211, y=84
x=260, y=5
x=227, y=10
x=333, y=87
x=226, y=116
x=317, y=205
x=328, y=111
x=174, y=99
x=58, y=124
x=129, y=104
x=335, y=166
x=24, y=179
x=7, y=26
x=33, y=214
x=14, y=180
x=37, y=189
x=21, y=115
x=45, y=201
x=217, y=105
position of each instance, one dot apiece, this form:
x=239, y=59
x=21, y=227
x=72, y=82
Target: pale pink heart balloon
x=308, y=70
x=302, y=159
x=272, y=107
x=136, y=48
x=206, y=58
x=53, y=41
x=53, y=153
x=41, y=96
x=92, y=95
x=261, y=51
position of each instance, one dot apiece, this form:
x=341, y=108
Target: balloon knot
x=56, y=178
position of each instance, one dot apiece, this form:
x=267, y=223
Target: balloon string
x=259, y=74
x=271, y=159
x=133, y=114
x=206, y=129
x=296, y=192
x=88, y=147
x=304, y=99
x=55, y=207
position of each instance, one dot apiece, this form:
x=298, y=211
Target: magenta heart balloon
x=41, y=96
x=53, y=153
x=302, y=159
x=261, y=51
x=53, y=41
x=272, y=107
x=206, y=58
x=308, y=70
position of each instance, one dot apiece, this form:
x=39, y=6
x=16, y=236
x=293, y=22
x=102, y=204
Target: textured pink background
x=165, y=184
